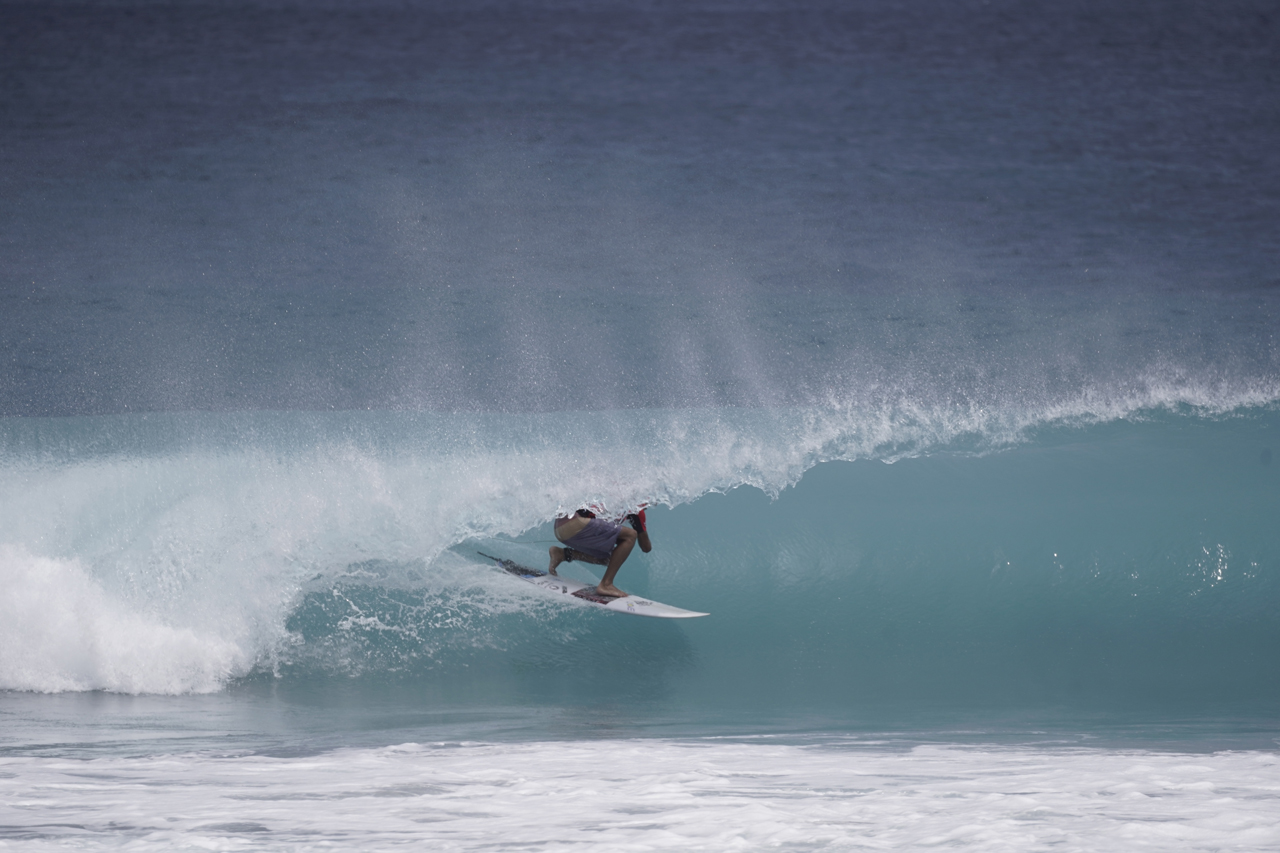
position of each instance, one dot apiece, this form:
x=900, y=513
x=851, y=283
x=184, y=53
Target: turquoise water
x=938, y=338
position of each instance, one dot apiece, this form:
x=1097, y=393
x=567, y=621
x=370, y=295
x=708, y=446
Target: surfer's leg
x=626, y=541
x=571, y=556
x=561, y=555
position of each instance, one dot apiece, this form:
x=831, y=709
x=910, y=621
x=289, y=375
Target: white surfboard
x=632, y=604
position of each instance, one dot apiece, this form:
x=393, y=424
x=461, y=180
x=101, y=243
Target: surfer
x=594, y=540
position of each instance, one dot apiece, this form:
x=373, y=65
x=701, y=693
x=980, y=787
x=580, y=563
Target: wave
x=174, y=553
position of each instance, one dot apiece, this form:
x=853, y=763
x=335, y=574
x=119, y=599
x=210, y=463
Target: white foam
x=60, y=630
x=649, y=796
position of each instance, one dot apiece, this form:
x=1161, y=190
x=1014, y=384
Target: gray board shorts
x=598, y=538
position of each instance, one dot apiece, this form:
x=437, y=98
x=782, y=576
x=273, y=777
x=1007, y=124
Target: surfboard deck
x=633, y=604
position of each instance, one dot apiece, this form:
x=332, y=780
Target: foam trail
x=653, y=795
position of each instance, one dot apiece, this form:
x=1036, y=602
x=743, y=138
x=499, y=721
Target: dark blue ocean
x=939, y=338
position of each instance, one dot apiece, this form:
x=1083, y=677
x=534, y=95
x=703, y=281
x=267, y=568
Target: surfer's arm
x=642, y=531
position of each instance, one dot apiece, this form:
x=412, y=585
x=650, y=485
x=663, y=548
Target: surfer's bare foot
x=611, y=591
x=557, y=557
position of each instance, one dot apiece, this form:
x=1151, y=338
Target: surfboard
x=633, y=604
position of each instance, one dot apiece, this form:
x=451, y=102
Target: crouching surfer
x=604, y=543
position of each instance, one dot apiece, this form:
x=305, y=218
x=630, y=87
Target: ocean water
x=938, y=338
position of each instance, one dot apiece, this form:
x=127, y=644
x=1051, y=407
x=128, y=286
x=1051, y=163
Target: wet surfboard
x=633, y=604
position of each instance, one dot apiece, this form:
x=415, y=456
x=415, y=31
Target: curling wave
x=175, y=553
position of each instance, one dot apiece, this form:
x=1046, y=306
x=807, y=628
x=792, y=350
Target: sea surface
x=938, y=338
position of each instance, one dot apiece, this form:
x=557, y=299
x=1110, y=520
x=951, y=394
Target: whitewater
x=661, y=795
x=938, y=339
